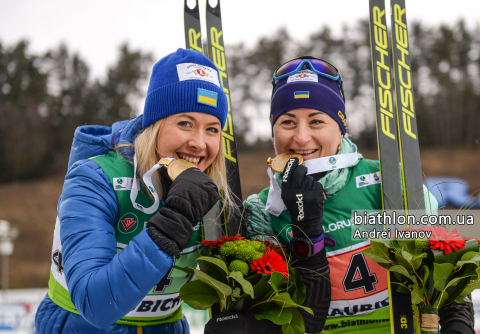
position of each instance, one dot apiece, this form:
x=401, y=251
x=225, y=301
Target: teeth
x=304, y=152
x=193, y=160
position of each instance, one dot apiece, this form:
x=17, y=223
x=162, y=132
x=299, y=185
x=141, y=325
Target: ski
x=211, y=230
x=407, y=120
x=391, y=139
x=413, y=193
x=193, y=31
x=216, y=53
x=216, y=223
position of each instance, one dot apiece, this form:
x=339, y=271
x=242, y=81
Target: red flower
x=443, y=240
x=269, y=263
x=466, y=238
x=277, y=248
x=219, y=242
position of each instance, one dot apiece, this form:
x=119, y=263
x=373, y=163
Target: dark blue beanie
x=184, y=81
x=297, y=91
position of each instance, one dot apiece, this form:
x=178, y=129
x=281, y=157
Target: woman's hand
x=190, y=197
x=303, y=198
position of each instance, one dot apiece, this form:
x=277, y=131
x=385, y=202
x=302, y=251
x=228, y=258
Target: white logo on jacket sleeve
x=368, y=179
x=301, y=214
x=191, y=71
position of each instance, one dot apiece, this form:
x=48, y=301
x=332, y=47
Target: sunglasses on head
x=318, y=66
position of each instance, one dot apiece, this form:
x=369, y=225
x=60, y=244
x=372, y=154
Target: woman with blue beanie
x=122, y=223
x=308, y=206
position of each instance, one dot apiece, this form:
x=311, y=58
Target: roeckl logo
x=301, y=214
x=289, y=165
x=230, y=317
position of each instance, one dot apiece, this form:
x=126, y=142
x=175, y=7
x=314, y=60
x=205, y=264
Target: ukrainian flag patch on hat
x=302, y=95
x=208, y=97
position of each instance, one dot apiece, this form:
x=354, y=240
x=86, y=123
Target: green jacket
x=359, y=285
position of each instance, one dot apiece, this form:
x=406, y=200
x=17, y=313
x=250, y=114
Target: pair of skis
x=228, y=224
x=397, y=135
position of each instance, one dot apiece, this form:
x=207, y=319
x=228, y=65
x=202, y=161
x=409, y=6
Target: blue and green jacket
x=104, y=283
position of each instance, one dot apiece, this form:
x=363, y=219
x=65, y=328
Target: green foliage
x=276, y=279
x=219, y=263
x=271, y=297
x=246, y=286
x=380, y=250
x=441, y=273
x=199, y=295
x=432, y=277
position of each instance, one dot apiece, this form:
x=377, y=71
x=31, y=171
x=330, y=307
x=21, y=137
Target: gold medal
x=175, y=167
x=279, y=162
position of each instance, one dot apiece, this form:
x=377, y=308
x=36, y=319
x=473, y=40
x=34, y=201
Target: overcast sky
x=95, y=28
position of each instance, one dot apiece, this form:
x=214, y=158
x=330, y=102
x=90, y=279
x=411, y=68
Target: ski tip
x=213, y=6
x=194, y=8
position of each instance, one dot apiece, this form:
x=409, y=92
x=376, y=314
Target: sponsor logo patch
x=191, y=71
x=342, y=117
x=287, y=170
x=332, y=160
x=289, y=233
x=302, y=95
x=57, y=259
x=207, y=97
x=368, y=179
x=122, y=183
x=304, y=75
x=128, y=223
x=230, y=317
x=301, y=213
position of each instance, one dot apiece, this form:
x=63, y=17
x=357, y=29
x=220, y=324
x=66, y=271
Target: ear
x=341, y=137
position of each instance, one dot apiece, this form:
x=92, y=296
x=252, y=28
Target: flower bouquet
x=436, y=270
x=249, y=277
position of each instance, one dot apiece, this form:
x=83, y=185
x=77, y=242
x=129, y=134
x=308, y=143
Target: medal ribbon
x=275, y=205
x=147, y=179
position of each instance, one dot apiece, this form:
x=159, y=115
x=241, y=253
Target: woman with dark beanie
x=122, y=223
x=308, y=207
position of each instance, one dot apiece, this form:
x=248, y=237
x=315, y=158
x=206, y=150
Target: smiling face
x=309, y=132
x=192, y=136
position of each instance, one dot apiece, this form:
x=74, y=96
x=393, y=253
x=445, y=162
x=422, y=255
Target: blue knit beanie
x=184, y=81
x=305, y=89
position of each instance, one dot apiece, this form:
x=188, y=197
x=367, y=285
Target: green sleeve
x=257, y=219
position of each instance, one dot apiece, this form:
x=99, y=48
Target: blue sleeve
x=103, y=285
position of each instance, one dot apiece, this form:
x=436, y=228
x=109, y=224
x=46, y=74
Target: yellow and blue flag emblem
x=208, y=97
x=302, y=95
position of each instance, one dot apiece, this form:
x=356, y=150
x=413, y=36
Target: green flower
x=259, y=246
x=257, y=255
x=228, y=248
x=422, y=244
x=245, y=252
x=239, y=265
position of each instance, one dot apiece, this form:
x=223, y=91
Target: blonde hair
x=145, y=147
